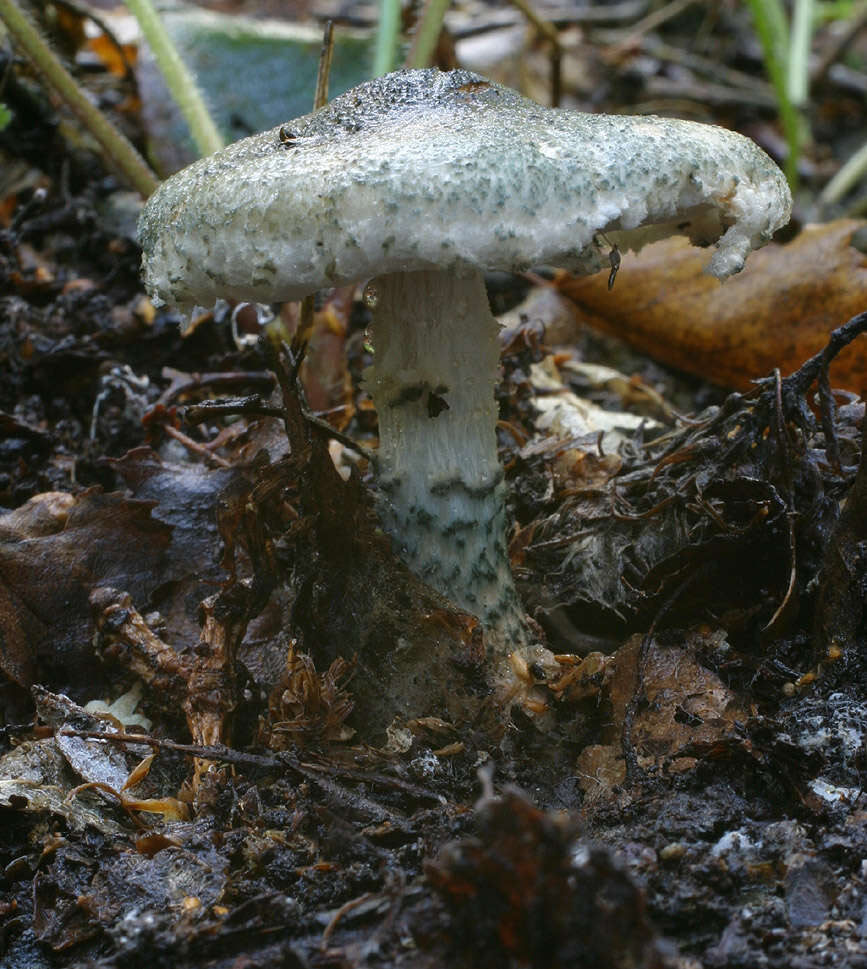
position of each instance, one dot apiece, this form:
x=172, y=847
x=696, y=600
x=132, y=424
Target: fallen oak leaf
x=776, y=313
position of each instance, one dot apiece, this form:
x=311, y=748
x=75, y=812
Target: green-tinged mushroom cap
x=419, y=180
x=431, y=170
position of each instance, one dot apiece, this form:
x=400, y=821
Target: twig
x=291, y=389
x=344, y=909
x=761, y=92
x=183, y=383
x=338, y=436
x=656, y=18
x=838, y=46
x=320, y=99
x=217, y=752
x=324, y=70
x=770, y=625
x=240, y=758
x=195, y=447
x=549, y=32
x=782, y=435
x=799, y=382
x=207, y=410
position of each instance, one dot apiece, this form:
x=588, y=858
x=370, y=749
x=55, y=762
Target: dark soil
x=692, y=798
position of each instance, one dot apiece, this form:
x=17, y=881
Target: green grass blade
x=772, y=29
x=798, y=74
x=387, y=35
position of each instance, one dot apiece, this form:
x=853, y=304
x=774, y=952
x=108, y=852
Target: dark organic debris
x=524, y=891
x=53, y=550
x=702, y=576
x=731, y=511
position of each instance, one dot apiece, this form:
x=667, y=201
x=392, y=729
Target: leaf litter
x=695, y=797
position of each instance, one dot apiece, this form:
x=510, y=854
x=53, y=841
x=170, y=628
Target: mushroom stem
x=441, y=481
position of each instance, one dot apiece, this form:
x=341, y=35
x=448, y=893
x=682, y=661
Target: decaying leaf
x=101, y=765
x=53, y=551
x=776, y=313
x=35, y=777
x=47, y=775
x=192, y=499
x=681, y=701
x=732, y=506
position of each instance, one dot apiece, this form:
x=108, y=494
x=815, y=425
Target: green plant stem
x=848, y=176
x=180, y=81
x=773, y=33
x=427, y=33
x=387, y=32
x=117, y=150
x=798, y=74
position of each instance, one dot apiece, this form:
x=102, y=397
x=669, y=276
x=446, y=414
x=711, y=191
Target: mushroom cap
x=422, y=169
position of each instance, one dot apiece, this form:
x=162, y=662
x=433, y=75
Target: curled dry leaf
x=776, y=313
x=32, y=778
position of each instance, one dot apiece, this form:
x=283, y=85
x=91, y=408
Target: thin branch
x=547, y=30
x=251, y=406
x=323, y=72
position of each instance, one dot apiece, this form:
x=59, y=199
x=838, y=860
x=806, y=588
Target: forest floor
x=177, y=542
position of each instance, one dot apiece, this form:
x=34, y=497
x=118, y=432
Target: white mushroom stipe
x=433, y=387
x=417, y=181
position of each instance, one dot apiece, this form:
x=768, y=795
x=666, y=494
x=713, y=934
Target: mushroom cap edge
x=441, y=170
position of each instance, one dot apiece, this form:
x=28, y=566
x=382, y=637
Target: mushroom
x=417, y=182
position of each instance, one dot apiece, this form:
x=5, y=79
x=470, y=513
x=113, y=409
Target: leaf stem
x=427, y=33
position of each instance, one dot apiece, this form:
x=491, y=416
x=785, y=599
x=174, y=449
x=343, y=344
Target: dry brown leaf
x=307, y=705
x=776, y=313
x=684, y=704
x=53, y=551
x=112, y=54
